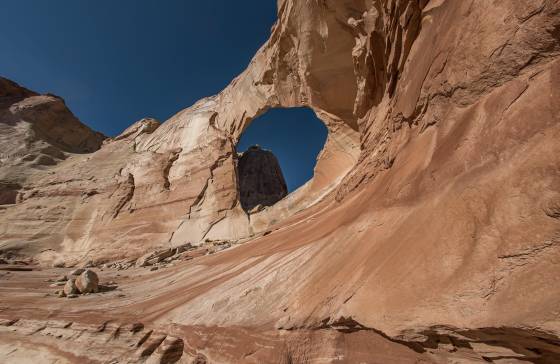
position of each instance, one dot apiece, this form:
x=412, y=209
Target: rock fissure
x=123, y=194
x=173, y=156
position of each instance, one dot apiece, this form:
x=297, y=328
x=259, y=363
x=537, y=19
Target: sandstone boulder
x=70, y=287
x=88, y=282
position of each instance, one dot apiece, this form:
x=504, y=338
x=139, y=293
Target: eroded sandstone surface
x=430, y=232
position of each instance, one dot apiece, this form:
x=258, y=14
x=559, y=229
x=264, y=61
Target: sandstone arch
x=441, y=218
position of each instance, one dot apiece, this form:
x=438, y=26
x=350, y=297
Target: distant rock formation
x=261, y=182
x=36, y=132
x=31, y=120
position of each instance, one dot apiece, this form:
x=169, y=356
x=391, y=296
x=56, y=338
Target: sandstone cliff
x=432, y=219
x=36, y=132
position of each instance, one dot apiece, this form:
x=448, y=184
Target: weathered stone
x=155, y=257
x=70, y=287
x=61, y=279
x=184, y=247
x=87, y=282
x=168, y=352
x=261, y=182
x=144, y=260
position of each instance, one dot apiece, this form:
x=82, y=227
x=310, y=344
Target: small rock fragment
x=61, y=279
x=155, y=257
x=70, y=287
x=170, y=350
x=184, y=248
x=137, y=327
x=60, y=293
x=143, y=260
x=200, y=359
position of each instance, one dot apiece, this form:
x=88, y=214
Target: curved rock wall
x=434, y=202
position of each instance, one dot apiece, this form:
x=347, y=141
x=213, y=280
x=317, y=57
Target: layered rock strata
x=432, y=216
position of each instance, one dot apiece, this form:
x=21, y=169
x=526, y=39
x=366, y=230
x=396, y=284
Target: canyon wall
x=435, y=201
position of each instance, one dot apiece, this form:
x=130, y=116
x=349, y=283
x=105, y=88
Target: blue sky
x=295, y=136
x=115, y=62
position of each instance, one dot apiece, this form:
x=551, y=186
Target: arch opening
x=277, y=154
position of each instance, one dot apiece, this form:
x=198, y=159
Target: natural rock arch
x=442, y=216
x=277, y=155
x=229, y=221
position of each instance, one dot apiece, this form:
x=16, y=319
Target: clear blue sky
x=295, y=136
x=115, y=62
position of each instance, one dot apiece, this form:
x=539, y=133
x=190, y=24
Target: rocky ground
x=120, y=323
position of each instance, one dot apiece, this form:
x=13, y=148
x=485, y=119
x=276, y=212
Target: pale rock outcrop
x=36, y=133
